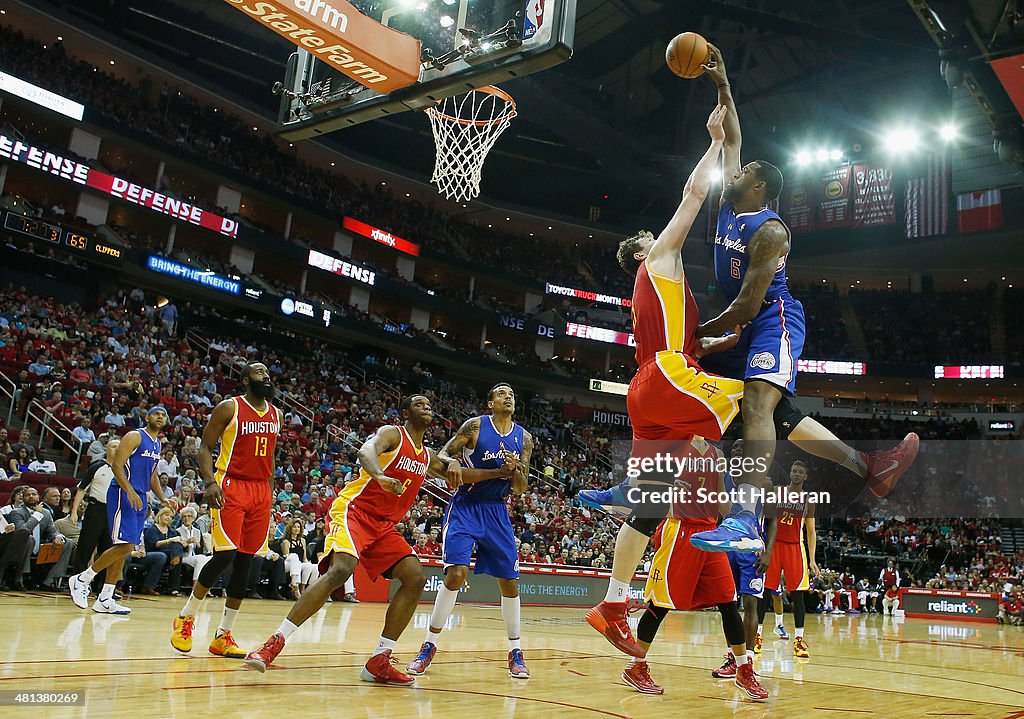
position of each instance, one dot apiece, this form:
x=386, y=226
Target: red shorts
x=671, y=397
x=682, y=576
x=373, y=541
x=244, y=520
x=789, y=560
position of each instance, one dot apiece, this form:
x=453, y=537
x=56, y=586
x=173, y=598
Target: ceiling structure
x=613, y=121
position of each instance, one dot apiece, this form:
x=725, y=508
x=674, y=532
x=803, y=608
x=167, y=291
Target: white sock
x=107, y=592
x=760, y=630
x=432, y=637
x=191, y=606
x=510, y=612
x=778, y=620
x=287, y=628
x=617, y=591
x=748, y=500
x=799, y=632
x=741, y=659
x=384, y=645
x=633, y=661
x=443, y=607
x=88, y=575
x=854, y=463
x=227, y=622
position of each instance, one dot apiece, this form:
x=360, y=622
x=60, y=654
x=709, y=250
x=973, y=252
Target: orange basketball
x=686, y=53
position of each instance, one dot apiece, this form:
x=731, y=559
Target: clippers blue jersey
x=486, y=455
x=731, y=239
x=142, y=462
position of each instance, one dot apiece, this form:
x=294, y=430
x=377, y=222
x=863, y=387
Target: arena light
x=901, y=140
x=446, y=21
x=949, y=132
x=803, y=158
x=821, y=155
x=835, y=155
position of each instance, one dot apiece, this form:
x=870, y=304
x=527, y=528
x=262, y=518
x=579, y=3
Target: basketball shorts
x=769, y=347
x=243, y=521
x=672, y=397
x=682, y=576
x=126, y=524
x=486, y=527
x=372, y=540
x=789, y=560
x=744, y=574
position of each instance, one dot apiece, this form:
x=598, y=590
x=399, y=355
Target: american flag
x=927, y=199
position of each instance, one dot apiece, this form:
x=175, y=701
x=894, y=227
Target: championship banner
x=336, y=33
x=947, y=604
x=796, y=209
x=834, y=208
x=874, y=201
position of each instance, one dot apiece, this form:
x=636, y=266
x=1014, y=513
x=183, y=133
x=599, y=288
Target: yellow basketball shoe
x=181, y=637
x=223, y=645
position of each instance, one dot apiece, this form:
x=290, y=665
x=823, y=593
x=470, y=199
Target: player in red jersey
x=670, y=397
x=393, y=463
x=790, y=557
x=685, y=578
x=240, y=492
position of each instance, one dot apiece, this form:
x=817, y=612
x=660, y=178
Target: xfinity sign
x=382, y=236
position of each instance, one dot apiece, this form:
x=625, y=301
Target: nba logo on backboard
x=534, y=18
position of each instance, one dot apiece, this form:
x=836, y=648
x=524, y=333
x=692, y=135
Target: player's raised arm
x=664, y=256
x=768, y=244
x=715, y=69
x=386, y=439
x=219, y=421
x=465, y=438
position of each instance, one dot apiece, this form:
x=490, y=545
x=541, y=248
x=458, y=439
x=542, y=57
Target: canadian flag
x=979, y=211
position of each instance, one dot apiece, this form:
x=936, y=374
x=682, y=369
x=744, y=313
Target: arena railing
x=49, y=424
x=8, y=389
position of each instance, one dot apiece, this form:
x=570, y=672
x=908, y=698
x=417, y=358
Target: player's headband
x=158, y=408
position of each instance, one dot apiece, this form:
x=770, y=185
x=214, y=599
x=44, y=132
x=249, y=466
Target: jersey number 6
x=734, y=267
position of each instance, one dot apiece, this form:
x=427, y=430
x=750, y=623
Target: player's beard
x=263, y=390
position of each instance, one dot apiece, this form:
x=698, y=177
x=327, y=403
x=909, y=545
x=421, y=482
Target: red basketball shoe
x=746, y=681
x=638, y=676
x=261, y=658
x=382, y=668
x=886, y=468
x=727, y=670
x=609, y=618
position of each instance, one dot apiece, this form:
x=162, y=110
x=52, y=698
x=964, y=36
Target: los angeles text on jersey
x=259, y=428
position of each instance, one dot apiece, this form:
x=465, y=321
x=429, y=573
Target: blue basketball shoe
x=612, y=500
x=737, y=533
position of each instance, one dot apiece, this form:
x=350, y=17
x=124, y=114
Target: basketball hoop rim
x=508, y=114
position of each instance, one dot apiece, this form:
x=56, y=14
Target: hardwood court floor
x=864, y=666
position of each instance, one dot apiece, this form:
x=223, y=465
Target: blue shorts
x=744, y=573
x=126, y=524
x=768, y=349
x=486, y=526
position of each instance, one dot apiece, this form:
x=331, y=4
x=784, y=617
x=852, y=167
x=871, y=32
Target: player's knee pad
x=786, y=417
x=239, y=582
x=643, y=523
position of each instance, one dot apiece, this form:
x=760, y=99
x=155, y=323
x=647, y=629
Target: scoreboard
x=76, y=241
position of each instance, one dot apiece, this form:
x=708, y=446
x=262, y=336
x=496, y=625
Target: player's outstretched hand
x=715, y=66
x=715, y=123
x=711, y=345
x=214, y=496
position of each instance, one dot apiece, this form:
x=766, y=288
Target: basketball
x=686, y=53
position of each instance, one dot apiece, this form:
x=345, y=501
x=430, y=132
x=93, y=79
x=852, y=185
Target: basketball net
x=465, y=129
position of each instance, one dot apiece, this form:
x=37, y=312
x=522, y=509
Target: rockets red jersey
x=247, y=445
x=791, y=522
x=699, y=472
x=408, y=464
x=664, y=315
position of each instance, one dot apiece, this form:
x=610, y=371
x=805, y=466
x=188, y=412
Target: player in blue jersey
x=477, y=517
x=134, y=469
x=752, y=245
